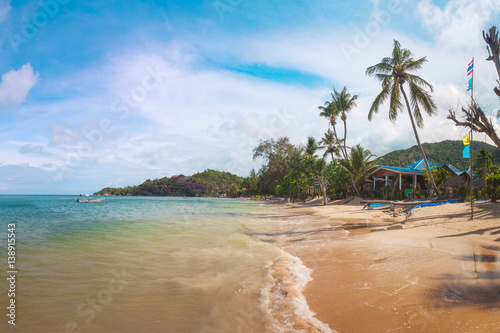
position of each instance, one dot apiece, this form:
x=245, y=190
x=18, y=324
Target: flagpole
x=470, y=157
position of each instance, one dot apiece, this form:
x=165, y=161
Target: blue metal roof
x=455, y=170
x=419, y=167
x=409, y=170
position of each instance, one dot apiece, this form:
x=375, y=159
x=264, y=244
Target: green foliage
x=493, y=189
x=383, y=193
x=483, y=164
x=482, y=194
x=360, y=164
x=250, y=183
x=278, y=156
x=397, y=195
x=292, y=185
x=337, y=177
x=221, y=179
x=463, y=192
x=444, y=152
x=439, y=174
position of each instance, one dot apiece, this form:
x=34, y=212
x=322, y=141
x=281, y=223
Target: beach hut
x=400, y=178
x=405, y=178
x=452, y=183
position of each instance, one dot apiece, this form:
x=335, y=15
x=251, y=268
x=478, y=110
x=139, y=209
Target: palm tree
x=344, y=102
x=360, y=164
x=394, y=72
x=341, y=104
x=331, y=112
x=320, y=166
x=328, y=143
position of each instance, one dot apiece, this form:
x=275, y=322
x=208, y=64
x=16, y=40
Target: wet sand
x=431, y=271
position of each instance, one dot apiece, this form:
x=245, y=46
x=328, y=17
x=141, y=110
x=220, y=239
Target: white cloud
x=460, y=23
x=15, y=86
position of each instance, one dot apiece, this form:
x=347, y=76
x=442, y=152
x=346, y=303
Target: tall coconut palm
x=394, y=73
x=339, y=105
x=331, y=112
x=344, y=103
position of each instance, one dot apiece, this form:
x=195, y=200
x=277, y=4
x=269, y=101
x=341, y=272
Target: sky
x=111, y=93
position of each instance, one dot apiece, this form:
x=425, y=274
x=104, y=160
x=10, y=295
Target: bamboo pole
x=470, y=157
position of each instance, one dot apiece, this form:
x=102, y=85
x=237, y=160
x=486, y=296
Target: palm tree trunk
x=346, y=158
x=345, y=133
x=418, y=143
x=355, y=186
x=338, y=142
x=324, y=184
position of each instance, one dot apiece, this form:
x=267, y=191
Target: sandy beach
x=429, y=271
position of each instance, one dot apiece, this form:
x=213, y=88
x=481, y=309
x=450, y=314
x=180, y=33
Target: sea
x=145, y=264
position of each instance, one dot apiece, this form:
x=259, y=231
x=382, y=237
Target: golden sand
x=430, y=271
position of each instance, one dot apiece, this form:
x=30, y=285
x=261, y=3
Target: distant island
x=210, y=183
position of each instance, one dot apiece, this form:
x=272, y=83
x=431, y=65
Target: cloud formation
x=15, y=86
x=459, y=23
x=168, y=91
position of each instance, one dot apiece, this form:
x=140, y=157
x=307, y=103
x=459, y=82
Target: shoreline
x=432, y=271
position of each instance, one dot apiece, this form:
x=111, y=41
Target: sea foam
x=283, y=300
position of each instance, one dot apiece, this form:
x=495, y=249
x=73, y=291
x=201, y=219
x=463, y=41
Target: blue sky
x=109, y=93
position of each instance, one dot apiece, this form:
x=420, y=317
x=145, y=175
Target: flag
x=470, y=69
x=470, y=85
x=466, y=140
x=466, y=152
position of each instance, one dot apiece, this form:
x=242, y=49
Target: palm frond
x=395, y=104
x=414, y=65
x=379, y=100
x=421, y=97
x=383, y=67
x=396, y=53
x=419, y=81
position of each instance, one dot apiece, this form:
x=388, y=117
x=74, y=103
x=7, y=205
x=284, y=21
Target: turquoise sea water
x=136, y=264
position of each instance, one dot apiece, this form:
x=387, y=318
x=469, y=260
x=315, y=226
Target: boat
x=89, y=200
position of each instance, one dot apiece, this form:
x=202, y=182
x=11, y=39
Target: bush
x=383, y=192
x=397, y=195
x=463, y=192
x=482, y=194
x=493, y=189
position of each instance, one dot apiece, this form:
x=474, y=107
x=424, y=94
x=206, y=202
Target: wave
x=282, y=298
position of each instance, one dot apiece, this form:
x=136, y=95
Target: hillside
x=207, y=183
x=447, y=152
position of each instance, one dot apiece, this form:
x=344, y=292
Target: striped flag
x=470, y=68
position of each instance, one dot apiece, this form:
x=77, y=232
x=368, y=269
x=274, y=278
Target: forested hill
x=445, y=152
x=207, y=183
